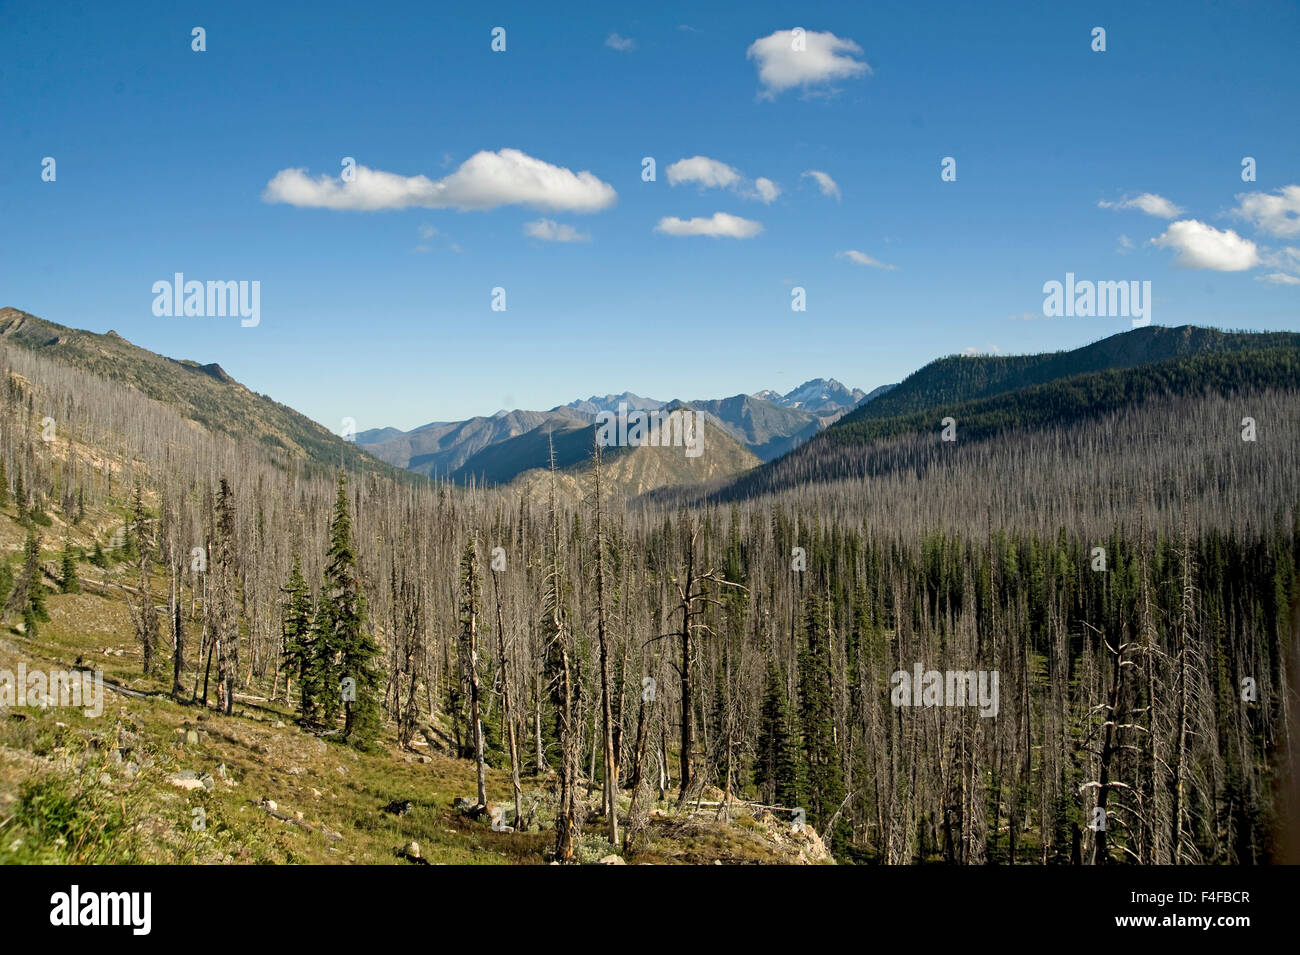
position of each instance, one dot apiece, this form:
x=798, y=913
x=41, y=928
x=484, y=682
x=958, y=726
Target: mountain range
x=753, y=444
x=765, y=424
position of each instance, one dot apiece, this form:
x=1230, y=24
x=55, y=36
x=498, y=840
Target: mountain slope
x=1195, y=362
x=441, y=447
x=768, y=429
x=961, y=378
x=525, y=461
x=205, y=394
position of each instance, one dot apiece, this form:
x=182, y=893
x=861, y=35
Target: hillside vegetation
x=202, y=393
x=684, y=679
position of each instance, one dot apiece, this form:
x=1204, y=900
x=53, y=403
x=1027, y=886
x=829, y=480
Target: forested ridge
x=960, y=378
x=1108, y=545
x=1048, y=406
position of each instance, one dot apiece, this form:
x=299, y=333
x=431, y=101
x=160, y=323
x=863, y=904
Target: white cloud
x=620, y=43
x=719, y=225
x=484, y=181
x=551, y=231
x=824, y=57
x=825, y=183
x=861, y=258
x=767, y=190
x=1200, y=246
x=714, y=174
x=1277, y=215
x=986, y=350
x=1287, y=259
x=1125, y=245
x=1279, y=278
x=705, y=172
x=1148, y=202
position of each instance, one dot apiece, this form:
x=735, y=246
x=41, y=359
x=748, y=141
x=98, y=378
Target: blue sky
x=164, y=156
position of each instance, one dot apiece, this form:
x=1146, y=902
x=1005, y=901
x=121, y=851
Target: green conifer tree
x=825, y=773
x=358, y=653
x=34, y=606
x=69, y=584
x=776, y=768
x=296, y=634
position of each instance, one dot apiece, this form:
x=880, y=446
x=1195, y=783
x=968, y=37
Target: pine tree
x=776, y=768
x=321, y=697
x=69, y=584
x=358, y=652
x=817, y=718
x=296, y=632
x=34, y=604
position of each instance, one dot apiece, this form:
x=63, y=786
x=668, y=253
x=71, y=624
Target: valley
x=545, y=655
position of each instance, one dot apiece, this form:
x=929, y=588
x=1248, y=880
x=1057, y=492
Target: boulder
x=186, y=779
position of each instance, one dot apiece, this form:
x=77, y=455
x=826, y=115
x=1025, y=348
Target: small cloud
x=986, y=350
x=1125, y=245
x=705, y=172
x=861, y=258
x=1286, y=259
x=719, y=225
x=1148, y=202
x=620, y=43
x=807, y=59
x=427, y=231
x=687, y=28
x=1278, y=278
x=549, y=230
x=1025, y=316
x=714, y=174
x=1200, y=246
x=1277, y=215
x=767, y=190
x=825, y=183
